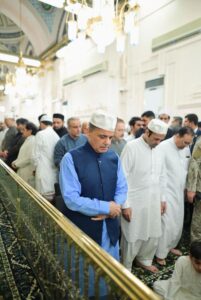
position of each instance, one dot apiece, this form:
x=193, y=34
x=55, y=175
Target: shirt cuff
x=126, y=205
x=104, y=207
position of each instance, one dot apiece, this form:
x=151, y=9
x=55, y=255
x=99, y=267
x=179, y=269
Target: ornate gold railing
x=66, y=262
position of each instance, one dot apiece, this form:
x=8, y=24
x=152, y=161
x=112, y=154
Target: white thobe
x=185, y=283
x=24, y=164
x=176, y=165
x=46, y=172
x=2, y=135
x=143, y=169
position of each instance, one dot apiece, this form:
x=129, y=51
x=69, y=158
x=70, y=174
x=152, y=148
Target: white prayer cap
x=9, y=116
x=46, y=118
x=165, y=111
x=158, y=126
x=103, y=120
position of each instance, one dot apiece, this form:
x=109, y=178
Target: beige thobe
x=185, y=283
x=46, y=172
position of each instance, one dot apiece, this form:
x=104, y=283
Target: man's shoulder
x=39, y=133
x=169, y=133
x=63, y=130
x=198, y=134
x=129, y=138
x=120, y=142
x=123, y=142
x=165, y=143
x=140, y=132
x=183, y=261
x=49, y=132
x=78, y=149
x=132, y=149
x=82, y=137
x=134, y=142
x=64, y=139
x=12, y=130
x=110, y=153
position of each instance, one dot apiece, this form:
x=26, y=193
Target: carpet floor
x=17, y=280
x=165, y=272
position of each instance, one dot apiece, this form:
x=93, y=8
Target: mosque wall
x=85, y=80
x=179, y=63
x=121, y=87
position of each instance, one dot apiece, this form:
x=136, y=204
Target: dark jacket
x=61, y=131
x=17, y=142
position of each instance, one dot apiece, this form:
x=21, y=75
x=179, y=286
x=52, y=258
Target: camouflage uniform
x=194, y=185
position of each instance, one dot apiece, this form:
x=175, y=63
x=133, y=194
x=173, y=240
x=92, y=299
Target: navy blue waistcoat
x=97, y=175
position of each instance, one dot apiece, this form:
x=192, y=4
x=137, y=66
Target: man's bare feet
x=176, y=252
x=161, y=261
x=151, y=268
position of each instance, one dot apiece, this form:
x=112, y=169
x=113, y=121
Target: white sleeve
x=127, y=159
x=36, y=153
x=169, y=288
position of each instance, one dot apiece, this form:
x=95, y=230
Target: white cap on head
x=158, y=126
x=9, y=116
x=103, y=120
x=45, y=118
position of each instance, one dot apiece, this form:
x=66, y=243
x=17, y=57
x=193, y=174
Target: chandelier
x=113, y=23
x=105, y=22
x=18, y=81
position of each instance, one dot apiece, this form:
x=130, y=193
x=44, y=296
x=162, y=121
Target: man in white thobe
x=141, y=214
x=185, y=283
x=176, y=155
x=46, y=172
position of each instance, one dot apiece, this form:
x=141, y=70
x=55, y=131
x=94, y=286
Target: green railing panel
x=66, y=262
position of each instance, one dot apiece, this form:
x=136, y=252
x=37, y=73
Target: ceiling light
x=106, y=21
x=14, y=59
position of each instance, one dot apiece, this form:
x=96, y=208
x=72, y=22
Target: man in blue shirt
x=93, y=185
x=69, y=141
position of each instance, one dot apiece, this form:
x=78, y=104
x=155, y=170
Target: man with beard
x=58, y=124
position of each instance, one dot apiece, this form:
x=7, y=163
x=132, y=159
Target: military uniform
x=194, y=185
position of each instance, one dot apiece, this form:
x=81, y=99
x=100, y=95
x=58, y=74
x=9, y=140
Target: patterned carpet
x=166, y=271
x=17, y=280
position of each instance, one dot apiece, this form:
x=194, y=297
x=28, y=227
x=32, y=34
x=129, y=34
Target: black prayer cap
x=58, y=116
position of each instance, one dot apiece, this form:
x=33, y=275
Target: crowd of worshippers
x=99, y=174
